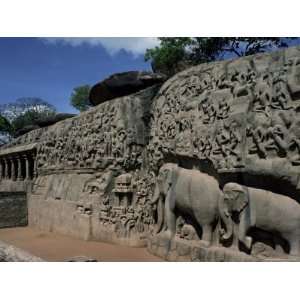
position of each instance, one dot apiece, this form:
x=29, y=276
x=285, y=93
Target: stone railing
x=18, y=163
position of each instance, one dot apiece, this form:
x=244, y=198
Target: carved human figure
x=258, y=129
x=188, y=192
x=278, y=135
x=105, y=211
x=281, y=97
x=293, y=65
x=208, y=110
x=262, y=97
x=262, y=209
x=223, y=109
x=222, y=145
x=183, y=143
x=203, y=145
x=234, y=150
x=294, y=142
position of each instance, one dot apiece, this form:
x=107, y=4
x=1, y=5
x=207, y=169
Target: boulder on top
x=43, y=122
x=50, y=120
x=122, y=84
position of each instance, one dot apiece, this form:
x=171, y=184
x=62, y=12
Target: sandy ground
x=56, y=247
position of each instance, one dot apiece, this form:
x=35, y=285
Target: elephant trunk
x=157, y=199
x=229, y=228
x=226, y=218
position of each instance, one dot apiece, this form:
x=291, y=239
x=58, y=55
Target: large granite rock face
x=93, y=177
x=13, y=209
x=123, y=84
x=205, y=168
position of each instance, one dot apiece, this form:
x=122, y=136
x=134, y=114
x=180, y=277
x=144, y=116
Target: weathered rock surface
x=212, y=156
x=47, y=121
x=50, y=120
x=13, y=209
x=81, y=259
x=26, y=129
x=9, y=253
x=123, y=84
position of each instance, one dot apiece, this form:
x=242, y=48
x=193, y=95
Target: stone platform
x=193, y=251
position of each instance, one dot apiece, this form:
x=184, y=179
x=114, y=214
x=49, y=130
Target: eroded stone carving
x=152, y=167
x=262, y=209
x=192, y=193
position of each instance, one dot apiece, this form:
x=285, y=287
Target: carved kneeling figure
x=261, y=209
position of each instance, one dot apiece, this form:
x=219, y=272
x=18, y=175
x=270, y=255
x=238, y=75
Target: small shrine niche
x=123, y=190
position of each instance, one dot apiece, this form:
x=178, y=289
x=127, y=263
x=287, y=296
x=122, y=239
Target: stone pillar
x=5, y=168
x=1, y=170
x=19, y=175
x=12, y=169
x=27, y=176
x=34, y=166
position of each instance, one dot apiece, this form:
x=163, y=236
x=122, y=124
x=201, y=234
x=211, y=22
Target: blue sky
x=51, y=68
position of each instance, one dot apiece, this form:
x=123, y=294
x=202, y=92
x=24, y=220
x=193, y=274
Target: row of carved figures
x=265, y=101
x=196, y=195
x=126, y=209
x=77, y=149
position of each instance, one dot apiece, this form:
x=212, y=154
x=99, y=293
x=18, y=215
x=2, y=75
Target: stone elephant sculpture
x=189, y=192
x=262, y=209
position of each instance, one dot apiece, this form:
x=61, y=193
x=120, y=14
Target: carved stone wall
x=242, y=115
x=205, y=168
x=236, y=121
x=93, y=181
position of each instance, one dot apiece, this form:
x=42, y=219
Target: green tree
x=21, y=115
x=80, y=97
x=28, y=121
x=176, y=54
x=6, y=130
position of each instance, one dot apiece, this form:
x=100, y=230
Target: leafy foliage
x=27, y=121
x=176, y=54
x=13, y=110
x=21, y=115
x=80, y=97
x=5, y=130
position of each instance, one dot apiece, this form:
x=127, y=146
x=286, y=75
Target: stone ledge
x=18, y=149
x=192, y=251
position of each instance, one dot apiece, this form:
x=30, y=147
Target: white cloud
x=133, y=45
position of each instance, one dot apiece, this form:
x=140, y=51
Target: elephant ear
x=242, y=199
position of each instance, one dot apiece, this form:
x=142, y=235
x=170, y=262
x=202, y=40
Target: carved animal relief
x=207, y=167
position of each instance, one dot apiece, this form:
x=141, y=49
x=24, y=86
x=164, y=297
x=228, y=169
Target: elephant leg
x=243, y=228
x=207, y=234
x=170, y=218
x=171, y=221
x=294, y=245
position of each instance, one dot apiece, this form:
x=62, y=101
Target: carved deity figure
x=223, y=109
x=209, y=112
x=262, y=97
x=105, y=210
x=278, y=136
x=281, y=96
x=235, y=141
x=204, y=146
x=222, y=140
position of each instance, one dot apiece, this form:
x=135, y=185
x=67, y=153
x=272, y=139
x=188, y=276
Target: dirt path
x=56, y=247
